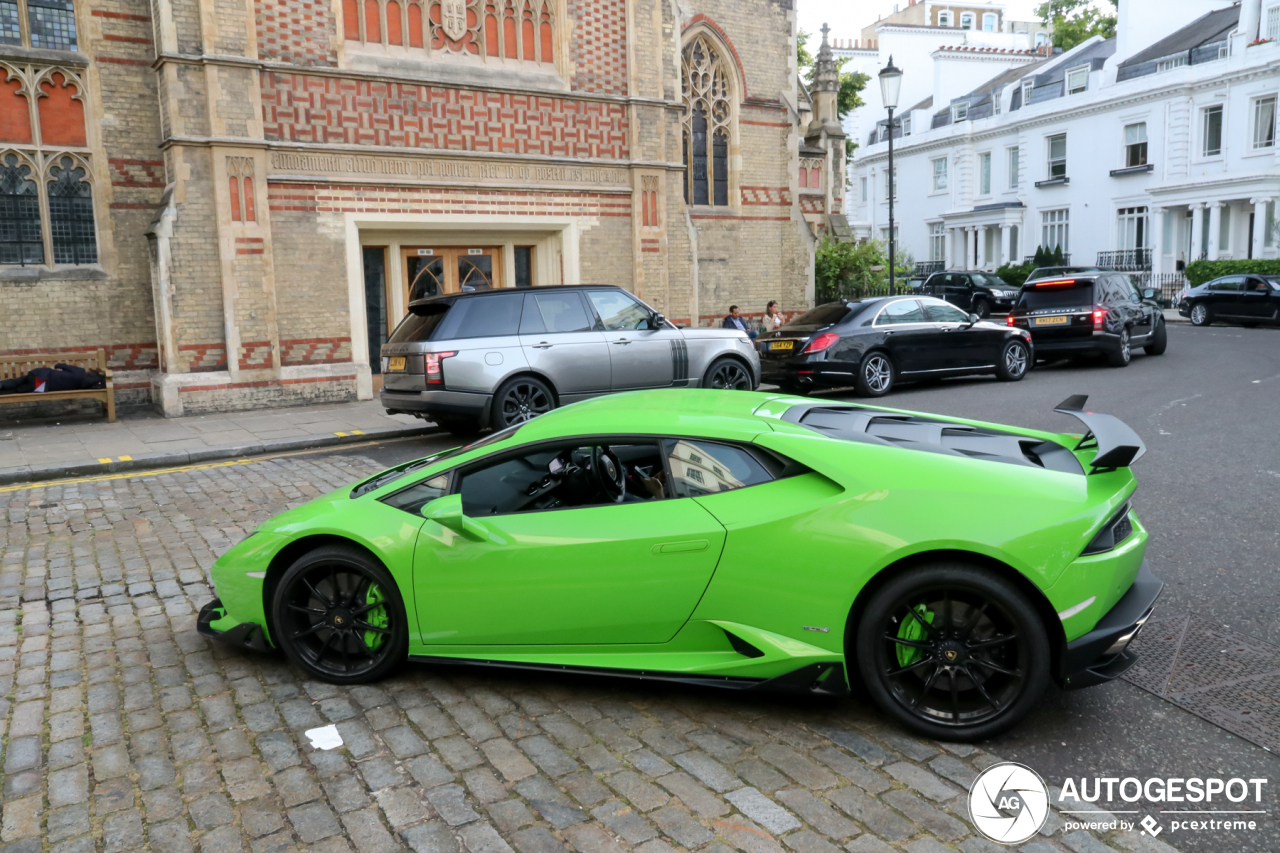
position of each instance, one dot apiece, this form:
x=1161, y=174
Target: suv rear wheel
x=1123, y=353
x=1159, y=340
x=521, y=399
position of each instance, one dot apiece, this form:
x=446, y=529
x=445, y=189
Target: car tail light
x=1054, y=282
x=1098, y=316
x=1008, y=320
x=435, y=367
x=821, y=342
x=1117, y=529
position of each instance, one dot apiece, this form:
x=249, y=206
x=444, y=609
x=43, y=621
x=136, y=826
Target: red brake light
x=435, y=367
x=1008, y=320
x=821, y=342
x=1098, y=315
x=1054, y=282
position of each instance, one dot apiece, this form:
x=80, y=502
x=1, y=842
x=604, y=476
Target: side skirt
x=825, y=678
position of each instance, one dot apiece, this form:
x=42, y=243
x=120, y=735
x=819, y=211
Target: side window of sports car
x=415, y=497
x=707, y=468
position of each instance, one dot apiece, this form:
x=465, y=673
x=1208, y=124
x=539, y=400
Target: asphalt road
x=1209, y=412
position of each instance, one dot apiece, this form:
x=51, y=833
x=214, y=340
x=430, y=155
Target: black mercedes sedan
x=875, y=343
x=1243, y=299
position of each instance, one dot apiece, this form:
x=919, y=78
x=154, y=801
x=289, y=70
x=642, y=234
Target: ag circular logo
x=1008, y=803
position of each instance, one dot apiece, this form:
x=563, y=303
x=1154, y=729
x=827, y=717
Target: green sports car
x=737, y=540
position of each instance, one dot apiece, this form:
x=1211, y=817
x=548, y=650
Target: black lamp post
x=890, y=84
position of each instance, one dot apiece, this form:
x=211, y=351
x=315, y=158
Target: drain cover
x=1230, y=679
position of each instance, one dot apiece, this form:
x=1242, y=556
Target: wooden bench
x=14, y=366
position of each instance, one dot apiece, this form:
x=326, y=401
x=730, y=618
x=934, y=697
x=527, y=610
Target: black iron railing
x=1126, y=260
x=924, y=268
x=1066, y=260
x=1166, y=285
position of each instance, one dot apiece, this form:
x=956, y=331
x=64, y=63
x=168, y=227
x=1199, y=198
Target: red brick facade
x=304, y=108
x=599, y=50
x=300, y=32
x=334, y=198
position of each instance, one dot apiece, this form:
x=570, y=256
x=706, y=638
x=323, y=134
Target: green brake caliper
x=377, y=617
x=912, y=629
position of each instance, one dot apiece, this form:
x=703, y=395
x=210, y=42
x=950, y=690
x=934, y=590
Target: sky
x=848, y=17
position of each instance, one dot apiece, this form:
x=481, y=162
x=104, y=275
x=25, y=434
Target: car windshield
x=420, y=323
x=392, y=474
x=1273, y=280
x=984, y=280
x=823, y=315
x=1049, y=295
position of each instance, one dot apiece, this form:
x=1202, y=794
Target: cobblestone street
x=125, y=730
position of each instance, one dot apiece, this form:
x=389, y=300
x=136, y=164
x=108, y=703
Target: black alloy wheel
x=1124, y=353
x=727, y=374
x=339, y=616
x=1200, y=315
x=520, y=400
x=953, y=651
x=1159, y=340
x=876, y=374
x=1014, y=362
x=982, y=308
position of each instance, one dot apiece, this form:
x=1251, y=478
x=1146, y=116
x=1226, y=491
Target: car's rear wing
x=1118, y=445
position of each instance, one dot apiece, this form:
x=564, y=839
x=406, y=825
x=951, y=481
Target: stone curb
x=38, y=473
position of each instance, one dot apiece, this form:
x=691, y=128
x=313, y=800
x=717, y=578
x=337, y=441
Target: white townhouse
x=1142, y=152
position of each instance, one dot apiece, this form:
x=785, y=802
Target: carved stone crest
x=453, y=18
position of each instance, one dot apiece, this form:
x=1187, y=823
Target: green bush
x=848, y=270
x=1198, y=272
x=1015, y=275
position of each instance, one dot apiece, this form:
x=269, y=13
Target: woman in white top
x=773, y=318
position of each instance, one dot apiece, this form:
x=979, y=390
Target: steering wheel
x=610, y=475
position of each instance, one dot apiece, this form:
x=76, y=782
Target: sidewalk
x=45, y=450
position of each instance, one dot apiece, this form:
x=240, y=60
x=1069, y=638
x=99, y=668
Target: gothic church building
x=237, y=199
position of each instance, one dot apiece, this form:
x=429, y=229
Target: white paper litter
x=324, y=738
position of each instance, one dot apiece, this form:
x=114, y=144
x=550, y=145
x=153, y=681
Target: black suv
x=1090, y=313
x=972, y=292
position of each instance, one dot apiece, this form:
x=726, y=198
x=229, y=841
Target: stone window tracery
x=46, y=192
x=710, y=108
x=240, y=187
x=509, y=31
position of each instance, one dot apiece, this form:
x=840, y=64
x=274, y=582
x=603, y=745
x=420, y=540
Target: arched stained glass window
x=71, y=215
x=20, y=241
x=707, y=124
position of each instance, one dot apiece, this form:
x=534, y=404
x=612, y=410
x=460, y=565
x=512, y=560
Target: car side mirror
x=1148, y=293
x=657, y=321
x=447, y=512
x=974, y=319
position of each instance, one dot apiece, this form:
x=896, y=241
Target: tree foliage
x=1077, y=21
x=852, y=83
x=1198, y=272
x=853, y=270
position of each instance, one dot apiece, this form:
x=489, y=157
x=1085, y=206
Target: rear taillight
x=821, y=342
x=1098, y=316
x=1008, y=320
x=435, y=367
x=1117, y=529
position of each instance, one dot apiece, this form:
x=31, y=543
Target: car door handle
x=621, y=341
x=542, y=345
x=687, y=547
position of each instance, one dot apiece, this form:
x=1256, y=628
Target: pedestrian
x=737, y=321
x=773, y=317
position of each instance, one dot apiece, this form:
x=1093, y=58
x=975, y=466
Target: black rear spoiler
x=1118, y=445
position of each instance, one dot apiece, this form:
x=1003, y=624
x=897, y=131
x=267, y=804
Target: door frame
x=450, y=254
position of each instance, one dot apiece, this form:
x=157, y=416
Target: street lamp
x=890, y=83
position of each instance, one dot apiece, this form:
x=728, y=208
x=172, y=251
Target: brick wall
x=300, y=32
x=196, y=270
x=247, y=396
x=303, y=108
x=344, y=198
x=599, y=46
x=310, y=264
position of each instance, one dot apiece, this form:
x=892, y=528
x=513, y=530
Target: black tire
x=461, y=427
x=1199, y=314
x=728, y=374
x=327, y=589
x=999, y=642
x=519, y=400
x=982, y=308
x=1122, y=354
x=1015, y=361
x=1159, y=340
x=876, y=374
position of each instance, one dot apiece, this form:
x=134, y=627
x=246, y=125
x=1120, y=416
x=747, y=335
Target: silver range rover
x=499, y=357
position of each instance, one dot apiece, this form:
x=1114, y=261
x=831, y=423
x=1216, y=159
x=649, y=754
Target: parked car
x=733, y=541
x=978, y=293
x=1095, y=313
x=495, y=358
x=872, y=344
x=1059, y=272
x=1244, y=299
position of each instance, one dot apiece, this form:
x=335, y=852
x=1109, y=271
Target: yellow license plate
x=396, y=363
x=1051, y=321
x=776, y=345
